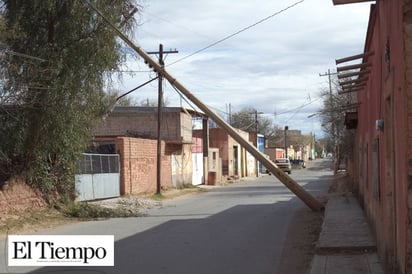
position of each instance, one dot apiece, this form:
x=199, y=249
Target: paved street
x=240, y=228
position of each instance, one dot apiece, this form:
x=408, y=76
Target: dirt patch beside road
x=304, y=231
x=31, y=221
x=26, y=219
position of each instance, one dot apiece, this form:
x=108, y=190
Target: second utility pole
x=291, y=184
x=334, y=136
x=159, y=117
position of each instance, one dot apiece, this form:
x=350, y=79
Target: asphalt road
x=240, y=228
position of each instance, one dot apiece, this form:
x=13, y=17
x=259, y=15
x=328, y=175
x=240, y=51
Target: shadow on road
x=243, y=239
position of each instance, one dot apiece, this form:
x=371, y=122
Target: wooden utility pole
x=257, y=139
x=286, y=146
x=293, y=186
x=335, y=144
x=159, y=117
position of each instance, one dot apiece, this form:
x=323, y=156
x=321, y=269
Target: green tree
x=59, y=55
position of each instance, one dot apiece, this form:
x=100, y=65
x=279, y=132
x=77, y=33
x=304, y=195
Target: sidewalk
x=345, y=245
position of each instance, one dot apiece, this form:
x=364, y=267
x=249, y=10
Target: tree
x=111, y=97
x=248, y=119
x=59, y=55
x=335, y=106
x=153, y=102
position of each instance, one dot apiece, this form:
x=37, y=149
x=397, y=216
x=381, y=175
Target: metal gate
x=99, y=177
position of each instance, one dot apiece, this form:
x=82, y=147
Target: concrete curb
x=346, y=244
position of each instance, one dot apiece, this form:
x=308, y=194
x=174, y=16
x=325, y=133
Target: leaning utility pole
x=159, y=117
x=293, y=186
x=257, y=139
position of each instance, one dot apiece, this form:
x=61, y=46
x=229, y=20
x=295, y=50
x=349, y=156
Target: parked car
x=284, y=164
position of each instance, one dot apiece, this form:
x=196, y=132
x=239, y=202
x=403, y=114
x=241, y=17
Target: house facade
x=206, y=156
x=382, y=153
x=132, y=132
x=293, y=145
x=234, y=161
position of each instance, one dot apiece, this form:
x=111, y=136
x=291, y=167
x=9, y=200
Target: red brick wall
x=383, y=160
x=405, y=137
x=16, y=196
x=139, y=165
x=219, y=138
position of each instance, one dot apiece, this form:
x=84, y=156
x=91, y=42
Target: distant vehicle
x=284, y=164
x=298, y=163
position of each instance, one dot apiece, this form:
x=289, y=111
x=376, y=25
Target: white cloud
x=273, y=67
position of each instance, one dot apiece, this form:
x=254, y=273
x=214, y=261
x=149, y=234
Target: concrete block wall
x=142, y=123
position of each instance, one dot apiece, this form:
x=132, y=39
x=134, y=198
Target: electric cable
x=299, y=107
x=237, y=32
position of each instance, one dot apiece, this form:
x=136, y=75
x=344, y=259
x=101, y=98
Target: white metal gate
x=99, y=177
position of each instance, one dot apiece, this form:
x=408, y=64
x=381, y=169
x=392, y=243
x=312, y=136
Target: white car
x=284, y=164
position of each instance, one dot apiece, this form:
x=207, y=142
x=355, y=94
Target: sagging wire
x=237, y=32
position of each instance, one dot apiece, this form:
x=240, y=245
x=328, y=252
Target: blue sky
x=273, y=66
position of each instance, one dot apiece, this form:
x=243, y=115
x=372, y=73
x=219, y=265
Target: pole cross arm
x=293, y=186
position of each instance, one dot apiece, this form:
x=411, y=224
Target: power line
x=237, y=32
x=299, y=107
x=23, y=55
x=177, y=25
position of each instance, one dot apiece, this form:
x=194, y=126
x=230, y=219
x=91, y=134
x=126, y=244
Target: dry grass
x=31, y=221
x=39, y=219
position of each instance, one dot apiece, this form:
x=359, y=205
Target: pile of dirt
x=16, y=196
x=342, y=183
x=132, y=204
x=138, y=204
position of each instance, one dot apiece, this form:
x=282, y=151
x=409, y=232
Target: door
x=197, y=166
x=235, y=161
x=99, y=177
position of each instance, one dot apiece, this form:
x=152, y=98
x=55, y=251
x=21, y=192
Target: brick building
x=132, y=132
x=382, y=156
x=299, y=147
x=236, y=162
